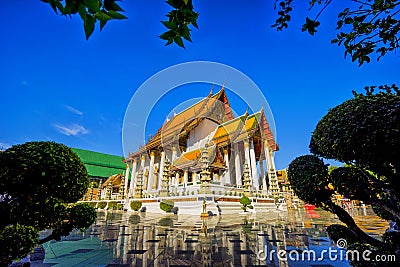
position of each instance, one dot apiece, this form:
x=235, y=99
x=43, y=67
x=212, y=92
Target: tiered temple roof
x=230, y=130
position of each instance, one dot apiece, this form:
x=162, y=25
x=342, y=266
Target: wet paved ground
x=264, y=239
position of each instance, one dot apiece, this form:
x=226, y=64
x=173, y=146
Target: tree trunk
x=349, y=221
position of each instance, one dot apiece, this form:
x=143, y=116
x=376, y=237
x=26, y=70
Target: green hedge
x=136, y=205
x=102, y=205
x=112, y=205
x=91, y=204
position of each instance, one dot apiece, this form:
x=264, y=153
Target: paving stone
x=82, y=250
x=191, y=241
x=110, y=240
x=245, y=251
x=186, y=252
x=136, y=251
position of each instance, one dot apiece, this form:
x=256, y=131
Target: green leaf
x=167, y=35
x=116, y=15
x=111, y=5
x=178, y=40
x=88, y=24
x=185, y=32
x=169, y=24
x=175, y=3
x=103, y=18
x=52, y=3
x=102, y=24
x=116, y=7
x=92, y=4
x=170, y=41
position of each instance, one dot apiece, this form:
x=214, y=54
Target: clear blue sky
x=57, y=86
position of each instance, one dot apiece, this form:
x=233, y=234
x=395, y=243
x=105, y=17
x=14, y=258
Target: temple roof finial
x=223, y=86
x=247, y=111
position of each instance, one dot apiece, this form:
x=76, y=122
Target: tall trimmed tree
x=364, y=133
x=39, y=182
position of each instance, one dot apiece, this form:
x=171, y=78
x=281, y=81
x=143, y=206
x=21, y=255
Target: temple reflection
x=145, y=239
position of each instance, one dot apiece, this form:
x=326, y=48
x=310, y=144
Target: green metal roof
x=99, y=164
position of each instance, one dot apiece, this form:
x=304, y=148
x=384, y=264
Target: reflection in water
x=121, y=239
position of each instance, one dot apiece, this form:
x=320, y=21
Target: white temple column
x=176, y=179
x=268, y=161
x=238, y=168
x=193, y=178
x=228, y=171
x=253, y=163
x=161, y=170
x=151, y=172
x=173, y=154
x=126, y=189
x=133, y=178
x=173, y=181
x=263, y=180
x=142, y=161
x=272, y=161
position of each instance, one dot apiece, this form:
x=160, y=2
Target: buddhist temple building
x=205, y=149
x=106, y=173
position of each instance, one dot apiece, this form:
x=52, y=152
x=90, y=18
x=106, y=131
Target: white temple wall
x=197, y=136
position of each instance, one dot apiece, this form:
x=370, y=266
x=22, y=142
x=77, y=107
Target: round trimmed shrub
x=136, y=205
x=167, y=205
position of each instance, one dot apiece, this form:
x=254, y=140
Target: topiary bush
x=246, y=203
x=166, y=205
x=15, y=241
x=136, y=205
x=363, y=133
x=38, y=182
x=82, y=216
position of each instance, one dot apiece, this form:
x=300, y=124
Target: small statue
x=204, y=206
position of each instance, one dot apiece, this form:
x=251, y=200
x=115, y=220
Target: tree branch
x=349, y=221
x=322, y=9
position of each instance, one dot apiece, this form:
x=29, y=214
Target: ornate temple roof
x=189, y=118
x=115, y=179
x=217, y=108
x=99, y=164
x=228, y=130
x=192, y=158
